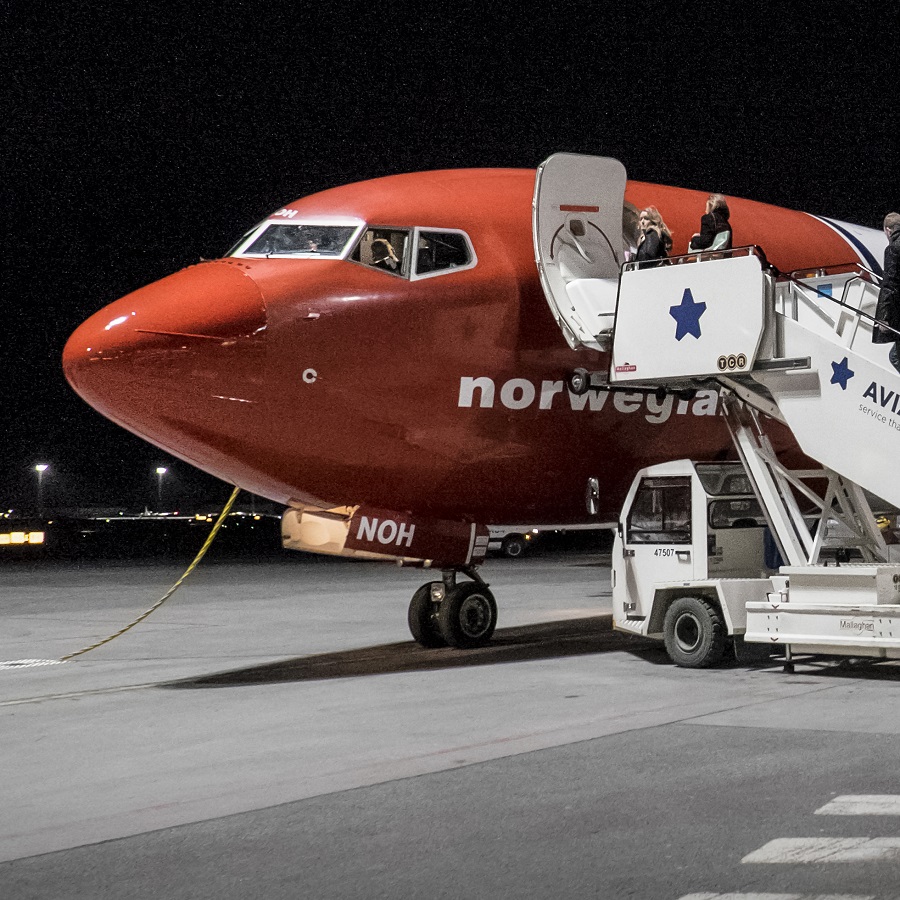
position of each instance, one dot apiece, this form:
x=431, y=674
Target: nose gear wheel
x=468, y=615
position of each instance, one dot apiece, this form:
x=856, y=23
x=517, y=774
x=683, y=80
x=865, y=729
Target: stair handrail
x=862, y=274
x=696, y=256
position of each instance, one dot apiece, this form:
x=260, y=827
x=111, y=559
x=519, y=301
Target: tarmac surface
x=272, y=731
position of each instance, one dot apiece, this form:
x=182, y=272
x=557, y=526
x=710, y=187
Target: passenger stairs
x=796, y=349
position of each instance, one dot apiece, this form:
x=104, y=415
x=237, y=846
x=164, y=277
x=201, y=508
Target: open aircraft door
x=577, y=227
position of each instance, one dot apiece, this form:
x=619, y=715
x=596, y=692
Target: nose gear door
x=577, y=230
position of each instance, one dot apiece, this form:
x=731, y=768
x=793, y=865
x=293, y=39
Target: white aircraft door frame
x=577, y=231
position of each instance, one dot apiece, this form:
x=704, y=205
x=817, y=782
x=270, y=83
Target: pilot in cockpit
x=383, y=256
x=280, y=240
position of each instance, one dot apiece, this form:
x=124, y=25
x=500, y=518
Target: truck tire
x=694, y=632
x=513, y=546
x=579, y=382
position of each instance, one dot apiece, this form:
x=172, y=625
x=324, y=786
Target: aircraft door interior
x=578, y=229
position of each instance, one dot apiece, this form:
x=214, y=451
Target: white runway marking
x=862, y=805
x=28, y=663
x=814, y=850
x=754, y=896
x=710, y=896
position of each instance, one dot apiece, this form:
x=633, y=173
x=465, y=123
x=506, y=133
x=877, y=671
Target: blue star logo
x=842, y=373
x=687, y=315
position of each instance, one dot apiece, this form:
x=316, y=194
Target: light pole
x=40, y=468
x=160, y=472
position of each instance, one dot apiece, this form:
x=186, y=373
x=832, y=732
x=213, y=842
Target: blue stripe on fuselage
x=861, y=248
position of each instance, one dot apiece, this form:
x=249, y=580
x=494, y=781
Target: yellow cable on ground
x=174, y=587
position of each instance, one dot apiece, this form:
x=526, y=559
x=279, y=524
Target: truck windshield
x=297, y=239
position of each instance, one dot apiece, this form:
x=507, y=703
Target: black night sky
x=138, y=138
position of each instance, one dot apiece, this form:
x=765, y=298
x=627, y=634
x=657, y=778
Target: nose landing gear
x=462, y=615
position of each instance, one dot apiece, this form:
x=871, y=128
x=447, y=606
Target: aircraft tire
x=694, y=633
x=423, y=620
x=468, y=616
x=513, y=546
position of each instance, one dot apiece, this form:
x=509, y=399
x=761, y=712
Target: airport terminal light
x=40, y=468
x=160, y=472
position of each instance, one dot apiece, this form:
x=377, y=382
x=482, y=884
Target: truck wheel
x=468, y=616
x=513, y=545
x=694, y=632
x=579, y=381
x=423, y=620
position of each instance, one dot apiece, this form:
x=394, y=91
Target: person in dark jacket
x=888, y=307
x=714, y=221
x=655, y=239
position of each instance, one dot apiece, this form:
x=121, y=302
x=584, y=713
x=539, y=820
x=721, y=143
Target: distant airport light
x=40, y=468
x=160, y=472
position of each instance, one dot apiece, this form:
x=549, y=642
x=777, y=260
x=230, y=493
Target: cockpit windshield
x=297, y=239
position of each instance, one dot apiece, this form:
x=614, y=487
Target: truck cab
x=695, y=566
x=690, y=532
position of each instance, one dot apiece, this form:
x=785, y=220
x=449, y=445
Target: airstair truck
x=791, y=349
x=688, y=562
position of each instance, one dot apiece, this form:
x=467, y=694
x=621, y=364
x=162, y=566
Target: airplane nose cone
x=167, y=357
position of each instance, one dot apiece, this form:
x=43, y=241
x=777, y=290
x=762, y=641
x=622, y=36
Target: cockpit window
x=442, y=251
x=386, y=249
x=414, y=252
x=438, y=250
x=297, y=239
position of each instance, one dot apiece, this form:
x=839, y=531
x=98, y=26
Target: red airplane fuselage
x=328, y=382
